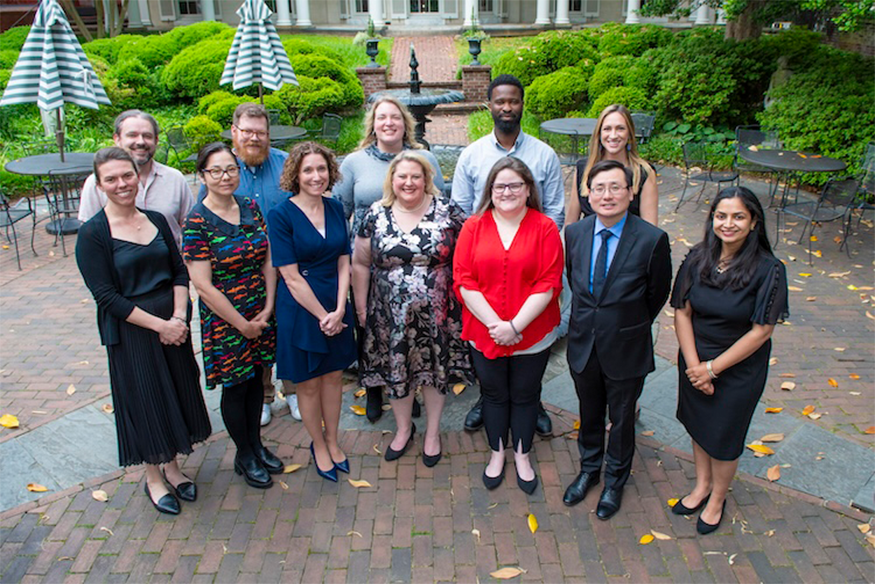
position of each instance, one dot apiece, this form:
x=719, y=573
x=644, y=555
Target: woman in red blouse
x=507, y=271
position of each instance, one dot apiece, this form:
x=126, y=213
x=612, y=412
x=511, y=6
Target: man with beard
x=260, y=170
x=162, y=188
x=505, y=95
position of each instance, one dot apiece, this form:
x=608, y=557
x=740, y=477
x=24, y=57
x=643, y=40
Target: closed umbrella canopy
x=257, y=55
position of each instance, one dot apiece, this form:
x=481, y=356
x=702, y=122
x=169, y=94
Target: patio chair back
x=331, y=124
x=273, y=115
x=747, y=136
x=179, y=142
x=10, y=215
x=40, y=147
x=63, y=194
x=867, y=171
x=838, y=194
x=643, y=125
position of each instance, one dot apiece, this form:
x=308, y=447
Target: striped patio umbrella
x=257, y=55
x=52, y=68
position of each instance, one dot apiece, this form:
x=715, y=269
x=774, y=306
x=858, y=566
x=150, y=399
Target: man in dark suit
x=619, y=271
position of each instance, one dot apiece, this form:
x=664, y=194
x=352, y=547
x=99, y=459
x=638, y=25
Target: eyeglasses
x=614, y=189
x=218, y=173
x=512, y=187
x=249, y=133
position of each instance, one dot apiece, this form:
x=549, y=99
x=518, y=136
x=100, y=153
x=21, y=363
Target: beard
x=141, y=157
x=507, y=126
x=249, y=155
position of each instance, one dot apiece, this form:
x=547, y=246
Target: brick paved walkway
x=436, y=55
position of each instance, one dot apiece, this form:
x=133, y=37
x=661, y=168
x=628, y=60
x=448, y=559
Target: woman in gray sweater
x=388, y=131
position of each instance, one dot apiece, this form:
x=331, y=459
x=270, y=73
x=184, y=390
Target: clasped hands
x=253, y=328
x=701, y=380
x=332, y=323
x=173, y=332
x=503, y=334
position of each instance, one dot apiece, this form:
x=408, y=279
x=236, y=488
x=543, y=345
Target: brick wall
x=475, y=81
x=373, y=79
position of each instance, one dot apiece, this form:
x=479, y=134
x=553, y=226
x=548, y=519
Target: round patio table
x=787, y=161
x=278, y=134
x=574, y=127
x=75, y=163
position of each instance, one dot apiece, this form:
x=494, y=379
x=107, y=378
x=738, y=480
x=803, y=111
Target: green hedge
x=631, y=39
x=550, y=96
x=196, y=70
x=548, y=52
x=632, y=97
x=13, y=39
x=318, y=67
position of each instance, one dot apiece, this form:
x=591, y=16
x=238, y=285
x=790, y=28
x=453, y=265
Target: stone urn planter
x=474, y=49
x=371, y=49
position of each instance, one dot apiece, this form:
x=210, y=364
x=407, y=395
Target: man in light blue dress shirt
x=505, y=95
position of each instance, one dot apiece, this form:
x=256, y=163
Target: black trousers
x=241, y=412
x=511, y=389
x=597, y=392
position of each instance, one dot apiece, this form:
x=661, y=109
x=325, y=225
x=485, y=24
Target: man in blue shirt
x=260, y=170
x=505, y=95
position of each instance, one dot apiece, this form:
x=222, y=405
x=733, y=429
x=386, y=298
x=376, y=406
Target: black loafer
x=528, y=487
x=544, y=426
x=269, y=460
x=374, y=407
x=609, y=503
x=474, y=419
x=253, y=473
x=680, y=509
x=186, y=490
x=576, y=491
x=166, y=504
x=706, y=528
x=396, y=454
x=492, y=482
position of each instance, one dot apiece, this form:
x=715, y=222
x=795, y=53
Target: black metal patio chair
x=699, y=166
x=10, y=215
x=754, y=136
x=834, y=203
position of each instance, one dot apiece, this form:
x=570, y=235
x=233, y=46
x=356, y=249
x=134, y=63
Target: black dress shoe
x=166, y=504
x=474, y=419
x=680, y=509
x=186, y=490
x=528, y=487
x=417, y=409
x=706, y=528
x=576, y=491
x=396, y=454
x=609, y=503
x=431, y=460
x=544, y=426
x=374, y=408
x=253, y=472
x=492, y=482
x=269, y=460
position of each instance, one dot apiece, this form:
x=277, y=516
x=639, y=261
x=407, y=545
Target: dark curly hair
x=292, y=167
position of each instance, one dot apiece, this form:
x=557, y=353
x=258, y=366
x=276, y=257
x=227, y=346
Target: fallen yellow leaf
x=855, y=393
x=291, y=468
x=359, y=484
x=8, y=421
x=645, y=539
x=787, y=376
x=773, y=361
x=815, y=416
x=533, y=523
x=476, y=533
x=772, y=438
x=869, y=430
x=813, y=237
x=361, y=392
x=760, y=448
x=794, y=288
x=769, y=533
x=107, y=408
x=660, y=536
x=378, y=451
x=807, y=410
x=854, y=376
x=869, y=315
x=864, y=527
x=804, y=275
x=788, y=386
x=774, y=473
x=871, y=539
x=350, y=533
x=458, y=388
x=647, y=433
x=284, y=485
x=507, y=573
x=838, y=274
x=832, y=382
x=358, y=410
x=576, y=425
x=672, y=502
x=811, y=298
x=774, y=410
x=36, y=488
x=100, y=495
x=71, y=389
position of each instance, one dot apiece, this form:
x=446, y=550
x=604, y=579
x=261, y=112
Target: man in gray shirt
x=505, y=95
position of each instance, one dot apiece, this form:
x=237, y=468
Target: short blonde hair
x=409, y=156
x=409, y=123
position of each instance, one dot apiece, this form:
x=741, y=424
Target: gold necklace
x=398, y=207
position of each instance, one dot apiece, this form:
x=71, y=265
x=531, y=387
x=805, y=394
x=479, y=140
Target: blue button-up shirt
x=261, y=183
x=477, y=160
x=613, y=242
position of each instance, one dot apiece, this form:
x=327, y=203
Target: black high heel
x=392, y=454
x=253, y=473
x=431, y=460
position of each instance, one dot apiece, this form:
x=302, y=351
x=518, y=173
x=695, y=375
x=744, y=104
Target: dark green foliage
x=632, y=39
x=548, y=52
x=604, y=79
x=632, y=97
x=317, y=66
x=201, y=130
x=295, y=46
x=196, y=70
x=127, y=83
x=550, y=96
x=13, y=39
x=204, y=103
x=107, y=49
x=312, y=97
x=184, y=36
x=8, y=58
x=222, y=111
x=153, y=50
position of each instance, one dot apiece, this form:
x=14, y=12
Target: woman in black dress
x=728, y=295
x=131, y=264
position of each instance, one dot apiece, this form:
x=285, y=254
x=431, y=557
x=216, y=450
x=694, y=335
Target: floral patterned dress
x=236, y=254
x=413, y=329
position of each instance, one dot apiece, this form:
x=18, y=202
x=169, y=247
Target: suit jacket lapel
x=627, y=238
x=586, y=257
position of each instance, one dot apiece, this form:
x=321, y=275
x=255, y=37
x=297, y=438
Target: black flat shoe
x=328, y=475
x=706, y=528
x=474, y=419
x=680, y=509
x=253, y=473
x=374, y=407
x=417, y=409
x=576, y=491
x=186, y=490
x=166, y=504
x=429, y=460
x=392, y=454
x=544, y=426
x=609, y=503
x=492, y=482
x=269, y=460
x=528, y=487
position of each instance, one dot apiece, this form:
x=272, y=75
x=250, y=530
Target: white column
x=375, y=10
x=303, y=7
x=145, y=19
x=703, y=15
x=721, y=17
x=472, y=14
x=543, y=12
x=283, y=16
x=632, y=8
x=208, y=9
x=562, y=12
x=134, y=15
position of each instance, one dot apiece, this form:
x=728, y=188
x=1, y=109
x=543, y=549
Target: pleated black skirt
x=159, y=407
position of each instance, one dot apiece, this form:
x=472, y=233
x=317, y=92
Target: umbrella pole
x=260, y=93
x=59, y=134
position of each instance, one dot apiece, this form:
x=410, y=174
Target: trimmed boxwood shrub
x=548, y=52
x=13, y=39
x=603, y=80
x=153, y=51
x=311, y=98
x=550, y=96
x=294, y=46
x=107, y=49
x=201, y=130
x=523, y=63
x=196, y=70
x=204, y=103
x=128, y=86
x=632, y=97
x=184, y=36
x=8, y=58
x=222, y=111
x=632, y=39
x=317, y=66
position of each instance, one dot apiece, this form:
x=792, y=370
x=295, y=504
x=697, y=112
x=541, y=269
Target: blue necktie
x=600, y=273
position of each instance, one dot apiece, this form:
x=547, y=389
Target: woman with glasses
x=226, y=249
x=507, y=271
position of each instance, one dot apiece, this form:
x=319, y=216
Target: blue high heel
x=342, y=466
x=330, y=475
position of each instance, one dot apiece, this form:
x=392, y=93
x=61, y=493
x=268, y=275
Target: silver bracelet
x=710, y=371
x=513, y=328
x=182, y=320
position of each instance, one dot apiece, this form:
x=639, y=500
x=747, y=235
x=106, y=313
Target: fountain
x=420, y=101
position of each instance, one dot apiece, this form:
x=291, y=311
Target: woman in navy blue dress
x=310, y=247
